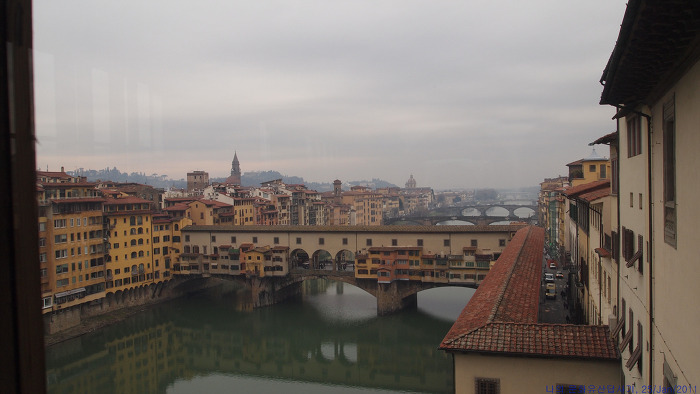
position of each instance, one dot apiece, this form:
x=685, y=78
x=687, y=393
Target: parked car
x=551, y=291
x=553, y=265
x=559, y=274
x=549, y=277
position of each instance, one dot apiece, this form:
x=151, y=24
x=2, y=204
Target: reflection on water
x=329, y=341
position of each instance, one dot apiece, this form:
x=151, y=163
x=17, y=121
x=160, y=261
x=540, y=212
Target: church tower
x=235, y=178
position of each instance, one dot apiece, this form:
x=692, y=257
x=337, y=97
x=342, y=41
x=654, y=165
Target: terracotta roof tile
x=587, y=187
x=502, y=315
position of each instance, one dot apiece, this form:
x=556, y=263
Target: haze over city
x=477, y=94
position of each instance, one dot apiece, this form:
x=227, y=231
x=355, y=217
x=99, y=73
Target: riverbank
x=96, y=323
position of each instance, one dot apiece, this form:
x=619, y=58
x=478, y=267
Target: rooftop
x=502, y=315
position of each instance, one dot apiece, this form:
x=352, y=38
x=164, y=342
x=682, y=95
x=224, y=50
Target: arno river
x=328, y=341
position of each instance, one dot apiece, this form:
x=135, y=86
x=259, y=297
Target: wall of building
x=675, y=269
x=532, y=375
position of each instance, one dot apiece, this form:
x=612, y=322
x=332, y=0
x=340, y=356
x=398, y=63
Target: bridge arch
x=524, y=212
x=497, y=211
x=344, y=259
x=322, y=259
x=454, y=222
x=472, y=211
x=298, y=257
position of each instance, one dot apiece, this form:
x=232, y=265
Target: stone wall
x=71, y=317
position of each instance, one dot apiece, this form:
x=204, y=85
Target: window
x=487, y=386
x=501, y=242
x=61, y=254
x=345, y=241
x=276, y=240
x=255, y=240
x=60, y=238
x=156, y=240
x=166, y=238
x=298, y=241
x=591, y=168
x=474, y=243
x=369, y=242
x=419, y=242
x=187, y=238
x=213, y=238
x=59, y=223
x=669, y=172
x=634, y=136
x=233, y=239
x=42, y=257
x=640, y=200
x=42, y=242
x=321, y=241
x=446, y=242
x=394, y=242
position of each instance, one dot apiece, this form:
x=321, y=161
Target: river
x=329, y=340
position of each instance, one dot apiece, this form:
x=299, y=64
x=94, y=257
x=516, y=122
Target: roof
x=587, y=187
x=502, y=315
x=177, y=207
x=76, y=199
x=657, y=39
x=54, y=174
x=126, y=200
x=595, y=194
x=606, y=139
x=545, y=340
x=213, y=203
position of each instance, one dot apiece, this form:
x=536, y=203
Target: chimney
x=62, y=169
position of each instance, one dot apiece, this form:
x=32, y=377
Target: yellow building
x=71, y=249
x=130, y=260
x=590, y=169
x=366, y=206
x=244, y=211
x=166, y=239
x=208, y=212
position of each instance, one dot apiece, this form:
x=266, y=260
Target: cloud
x=460, y=94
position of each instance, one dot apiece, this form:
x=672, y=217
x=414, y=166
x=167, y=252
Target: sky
x=461, y=94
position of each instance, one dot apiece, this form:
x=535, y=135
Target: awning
x=70, y=292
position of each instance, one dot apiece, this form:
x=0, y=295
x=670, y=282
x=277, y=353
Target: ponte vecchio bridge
x=396, y=262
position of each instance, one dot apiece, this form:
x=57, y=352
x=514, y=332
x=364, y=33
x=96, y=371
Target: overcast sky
x=458, y=93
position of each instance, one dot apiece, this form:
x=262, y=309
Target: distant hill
x=250, y=179
x=114, y=175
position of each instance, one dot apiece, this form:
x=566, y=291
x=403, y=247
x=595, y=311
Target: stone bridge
x=466, y=214
x=391, y=297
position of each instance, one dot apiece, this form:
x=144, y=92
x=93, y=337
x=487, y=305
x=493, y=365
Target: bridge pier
x=395, y=296
x=270, y=291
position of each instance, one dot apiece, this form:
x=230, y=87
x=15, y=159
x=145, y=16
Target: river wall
x=76, y=316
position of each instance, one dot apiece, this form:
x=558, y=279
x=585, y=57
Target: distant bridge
x=475, y=214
